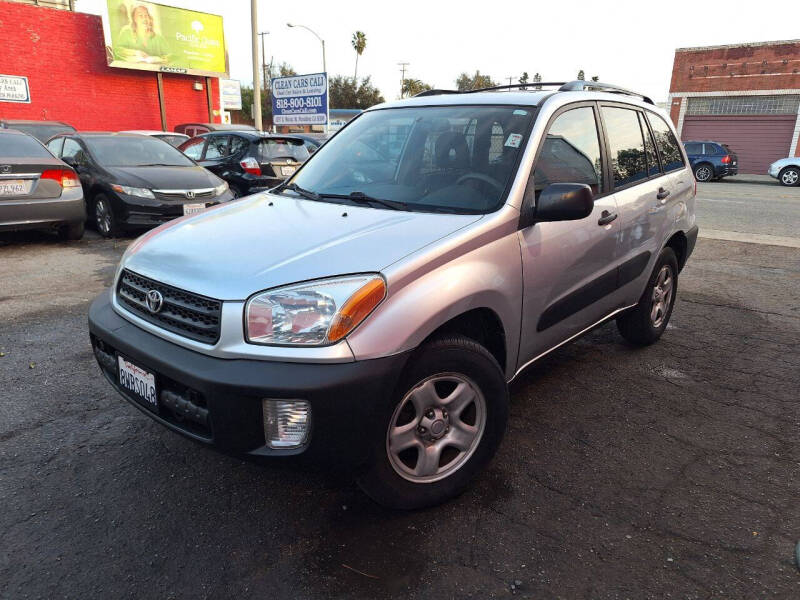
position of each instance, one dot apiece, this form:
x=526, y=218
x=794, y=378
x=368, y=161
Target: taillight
x=66, y=178
x=250, y=165
x=726, y=159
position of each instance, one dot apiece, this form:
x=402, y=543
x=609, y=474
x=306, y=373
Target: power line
x=403, y=66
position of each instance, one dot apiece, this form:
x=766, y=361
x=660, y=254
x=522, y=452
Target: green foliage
x=524, y=79
x=344, y=93
x=581, y=75
x=412, y=87
x=473, y=82
x=359, y=43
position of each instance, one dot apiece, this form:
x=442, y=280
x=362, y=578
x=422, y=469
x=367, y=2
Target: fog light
x=286, y=422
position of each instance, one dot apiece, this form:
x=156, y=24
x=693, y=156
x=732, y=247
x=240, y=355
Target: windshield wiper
x=159, y=165
x=362, y=198
x=302, y=191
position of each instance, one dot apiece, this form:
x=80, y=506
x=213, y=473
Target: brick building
x=746, y=96
x=62, y=53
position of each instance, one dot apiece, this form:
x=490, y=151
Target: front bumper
x=218, y=401
x=141, y=212
x=773, y=171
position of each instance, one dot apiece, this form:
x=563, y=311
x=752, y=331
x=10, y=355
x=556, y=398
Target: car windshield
x=135, y=151
x=21, y=146
x=443, y=158
x=41, y=132
x=172, y=140
x=278, y=148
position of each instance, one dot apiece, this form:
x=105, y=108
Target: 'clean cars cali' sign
x=300, y=100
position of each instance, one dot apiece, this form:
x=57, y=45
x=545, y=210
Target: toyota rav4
x=372, y=309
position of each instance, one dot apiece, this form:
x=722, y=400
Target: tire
x=789, y=177
x=104, y=218
x=452, y=372
x=644, y=324
x=71, y=231
x=704, y=172
x=237, y=193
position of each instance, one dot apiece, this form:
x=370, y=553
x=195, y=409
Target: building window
x=743, y=105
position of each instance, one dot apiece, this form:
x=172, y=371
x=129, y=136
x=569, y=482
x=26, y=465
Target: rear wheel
x=104, y=218
x=441, y=428
x=790, y=176
x=703, y=172
x=645, y=323
x=72, y=231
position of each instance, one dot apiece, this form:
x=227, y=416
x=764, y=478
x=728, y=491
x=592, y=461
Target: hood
x=238, y=248
x=165, y=178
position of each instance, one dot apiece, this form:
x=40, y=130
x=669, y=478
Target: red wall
x=63, y=56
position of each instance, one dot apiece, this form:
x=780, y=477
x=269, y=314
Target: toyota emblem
x=189, y=194
x=154, y=301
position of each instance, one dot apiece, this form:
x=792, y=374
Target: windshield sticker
x=519, y=111
x=514, y=140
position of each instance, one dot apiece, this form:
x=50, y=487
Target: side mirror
x=564, y=202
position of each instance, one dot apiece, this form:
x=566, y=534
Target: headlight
x=221, y=188
x=133, y=191
x=315, y=313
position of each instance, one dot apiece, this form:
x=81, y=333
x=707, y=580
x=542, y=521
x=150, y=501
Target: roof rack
x=569, y=86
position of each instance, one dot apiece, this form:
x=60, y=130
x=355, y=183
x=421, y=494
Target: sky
x=627, y=43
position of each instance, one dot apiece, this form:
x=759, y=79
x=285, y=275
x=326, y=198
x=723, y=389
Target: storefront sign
x=14, y=88
x=300, y=100
x=154, y=37
x=231, y=94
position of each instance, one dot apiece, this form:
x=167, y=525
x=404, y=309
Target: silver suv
x=371, y=311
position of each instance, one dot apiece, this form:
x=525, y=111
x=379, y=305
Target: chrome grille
x=190, y=315
x=182, y=194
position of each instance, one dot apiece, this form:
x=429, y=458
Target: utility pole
x=403, y=66
x=510, y=79
x=264, y=61
x=256, y=82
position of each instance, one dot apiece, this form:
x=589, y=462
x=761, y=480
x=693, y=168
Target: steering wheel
x=484, y=178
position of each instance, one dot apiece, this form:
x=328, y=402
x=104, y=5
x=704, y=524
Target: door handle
x=606, y=218
x=662, y=193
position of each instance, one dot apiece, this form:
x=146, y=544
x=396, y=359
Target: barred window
x=743, y=105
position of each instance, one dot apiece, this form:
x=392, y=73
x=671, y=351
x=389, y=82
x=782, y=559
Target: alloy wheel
x=102, y=217
x=703, y=173
x=790, y=177
x=662, y=296
x=436, y=428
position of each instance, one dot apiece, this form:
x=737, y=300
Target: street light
x=324, y=67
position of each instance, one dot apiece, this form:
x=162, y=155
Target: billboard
x=231, y=94
x=300, y=100
x=154, y=37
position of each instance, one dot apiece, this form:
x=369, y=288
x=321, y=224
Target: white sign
x=231, y=94
x=14, y=89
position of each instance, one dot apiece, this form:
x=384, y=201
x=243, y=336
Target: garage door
x=759, y=140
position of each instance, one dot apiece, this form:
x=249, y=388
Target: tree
x=282, y=70
x=412, y=87
x=523, y=80
x=359, y=42
x=285, y=70
x=581, y=76
x=474, y=82
x=595, y=78
x=537, y=79
x=345, y=93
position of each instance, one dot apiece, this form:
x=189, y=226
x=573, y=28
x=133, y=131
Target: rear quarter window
x=667, y=144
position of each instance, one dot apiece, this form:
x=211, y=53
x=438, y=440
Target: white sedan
x=786, y=171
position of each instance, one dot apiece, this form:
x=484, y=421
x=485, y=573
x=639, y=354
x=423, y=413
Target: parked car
x=194, y=129
x=173, y=139
x=37, y=191
x=372, y=310
x=711, y=160
x=786, y=171
x=41, y=130
x=134, y=181
x=250, y=161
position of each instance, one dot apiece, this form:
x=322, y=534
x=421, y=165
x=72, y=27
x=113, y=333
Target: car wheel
x=441, y=428
x=104, y=218
x=72, y=231
x=703, y=172
x=237, y=193
x=790, y=176
x=644, y=324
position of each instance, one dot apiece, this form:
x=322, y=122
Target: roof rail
x=582, y=86
x=570, y=86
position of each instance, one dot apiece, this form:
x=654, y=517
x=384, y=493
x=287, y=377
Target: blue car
x=711, y=160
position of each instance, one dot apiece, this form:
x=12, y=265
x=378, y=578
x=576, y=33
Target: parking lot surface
x=669, y=471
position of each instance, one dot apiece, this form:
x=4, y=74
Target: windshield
x=454, y=158
x=41, y=132
x=278, y=149
x=135, y=151
x=21, y=146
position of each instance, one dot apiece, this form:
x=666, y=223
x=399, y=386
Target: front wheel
x=441, y=428
x=104, y=218
x=790, y=176
x=645, y=323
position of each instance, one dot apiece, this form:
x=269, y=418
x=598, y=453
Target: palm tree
x=359, y=42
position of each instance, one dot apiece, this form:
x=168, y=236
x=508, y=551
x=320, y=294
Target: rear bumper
x=42, y=212
x=726, y=170
x=227, y=394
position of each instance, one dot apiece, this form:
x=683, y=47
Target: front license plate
x=140, y=383
x=190, y=209
x=287, y=170
x=15, y=187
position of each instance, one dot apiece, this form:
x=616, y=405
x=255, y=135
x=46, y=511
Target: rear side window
x=694, y=148
x=238, y=145
x=20, y=146
x=71, y=148
x=671, y=157
x=625, y=145
x=649, y=148
x=194, y=148
x=218, y=146
x=713, y=150
x=571, y=152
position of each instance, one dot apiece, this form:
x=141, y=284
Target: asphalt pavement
x=669, y=471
